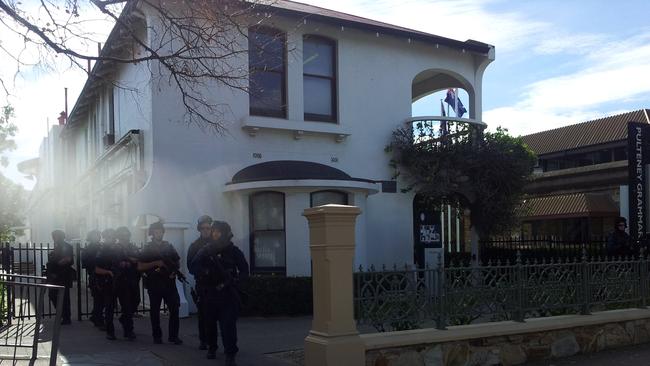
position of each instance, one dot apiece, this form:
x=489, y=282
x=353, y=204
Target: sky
x=557, y=62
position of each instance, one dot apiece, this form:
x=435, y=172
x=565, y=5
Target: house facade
x=315, y=134
x=581, y=183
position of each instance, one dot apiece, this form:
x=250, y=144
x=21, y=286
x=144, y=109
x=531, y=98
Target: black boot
x=212, y=354
x=203, y=346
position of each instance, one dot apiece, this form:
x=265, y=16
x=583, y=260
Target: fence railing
x=30, y=259
x=409, y=298
x=541, y=247
x=21, y=334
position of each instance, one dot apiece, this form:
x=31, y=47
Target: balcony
x=438, y=132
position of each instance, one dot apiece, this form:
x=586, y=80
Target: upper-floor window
x=319, y=78
x=267, y=68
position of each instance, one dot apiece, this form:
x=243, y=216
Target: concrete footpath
x=82, y=344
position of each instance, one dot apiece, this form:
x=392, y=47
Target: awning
x=568, y=206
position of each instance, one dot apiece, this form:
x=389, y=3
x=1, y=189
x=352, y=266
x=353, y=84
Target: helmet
x=58, y=235
x=223, y=228
x=93, y=236
x=123, y=233
x=108, y=235
x=205, y=219
x=158, y=225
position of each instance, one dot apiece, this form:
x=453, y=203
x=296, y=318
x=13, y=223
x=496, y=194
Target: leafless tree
x=191, y=44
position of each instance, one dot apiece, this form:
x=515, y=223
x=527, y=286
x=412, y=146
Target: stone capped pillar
x=333, y=339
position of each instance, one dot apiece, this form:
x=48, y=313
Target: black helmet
x=205, y=219
x=158, y=225
x=93, y=236
x=108, y=234
x=58, y=235
x=123, y=233
x=223, y=228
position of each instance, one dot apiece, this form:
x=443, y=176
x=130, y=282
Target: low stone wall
x=509, y=343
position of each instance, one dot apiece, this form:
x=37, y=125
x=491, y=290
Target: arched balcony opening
x=443, y=109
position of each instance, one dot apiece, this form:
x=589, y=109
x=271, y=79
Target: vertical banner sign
x=637, y=136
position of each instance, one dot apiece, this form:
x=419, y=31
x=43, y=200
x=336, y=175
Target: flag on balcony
x=455, y=103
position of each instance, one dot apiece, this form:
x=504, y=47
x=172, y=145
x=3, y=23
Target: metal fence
x=31, y=258
x=21, y=335
x=540, y=247
x=409, y=298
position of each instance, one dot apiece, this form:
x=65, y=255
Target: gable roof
x=595, y=132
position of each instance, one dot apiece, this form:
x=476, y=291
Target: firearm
x=171, y=264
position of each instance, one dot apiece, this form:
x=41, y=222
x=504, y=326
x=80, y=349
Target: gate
x=30, y=259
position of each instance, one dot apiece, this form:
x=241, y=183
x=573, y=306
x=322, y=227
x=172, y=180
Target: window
x=268, y=248
x=267, y=68
x=326, y=197
x=319, y=78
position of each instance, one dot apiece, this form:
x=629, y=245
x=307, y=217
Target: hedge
x=272, y=295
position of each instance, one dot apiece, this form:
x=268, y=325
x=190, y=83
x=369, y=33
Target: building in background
x=581, y=182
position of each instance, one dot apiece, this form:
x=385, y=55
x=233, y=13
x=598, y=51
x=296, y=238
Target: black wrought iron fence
x=540, y=247
x=20, y=335
x=408, y=298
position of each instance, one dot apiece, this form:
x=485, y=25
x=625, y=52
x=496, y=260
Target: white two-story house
x=315, y=134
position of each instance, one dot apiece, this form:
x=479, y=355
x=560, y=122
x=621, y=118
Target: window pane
x=266, y=91
x=327, y=197
x=266, y=51
x=268, y=211
x=318, y=96
x=318, y=56
x=269, y=249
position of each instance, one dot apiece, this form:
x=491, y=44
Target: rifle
x=171, y=265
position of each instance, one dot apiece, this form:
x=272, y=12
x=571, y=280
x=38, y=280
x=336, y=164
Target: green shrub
x=272, y=295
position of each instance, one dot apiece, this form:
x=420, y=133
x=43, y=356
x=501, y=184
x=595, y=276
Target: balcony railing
x=439, y=131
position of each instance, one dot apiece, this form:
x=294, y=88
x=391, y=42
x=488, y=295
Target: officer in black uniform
x=123, y=236
x=224, y=267
x=204, y=227
x=88, y=258
x=161, y=264
x=60, y=272
x=114, y=270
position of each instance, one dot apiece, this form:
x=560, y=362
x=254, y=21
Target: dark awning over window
x=568, y=205
x=289, y=170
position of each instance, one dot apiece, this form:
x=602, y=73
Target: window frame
x=311, y=195
x=333, y=80
x=251, y=218
x=281, y=36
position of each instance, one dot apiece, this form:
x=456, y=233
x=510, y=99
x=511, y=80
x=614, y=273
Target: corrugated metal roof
x=599, y=131
x=568, y=205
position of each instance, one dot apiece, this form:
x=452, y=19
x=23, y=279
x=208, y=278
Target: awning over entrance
x=297, y=174
x=568, y=205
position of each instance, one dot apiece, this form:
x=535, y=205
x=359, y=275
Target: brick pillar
x=333, y=339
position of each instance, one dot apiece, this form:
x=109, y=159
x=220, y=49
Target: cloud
x=457, y=19
x=610, y=73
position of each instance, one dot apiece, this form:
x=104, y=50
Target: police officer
x=88, y=258
x=204, y=227
x=113, y=268
x=224, y=267
x=60, y=272
x=123, y=236
x=161, y=264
